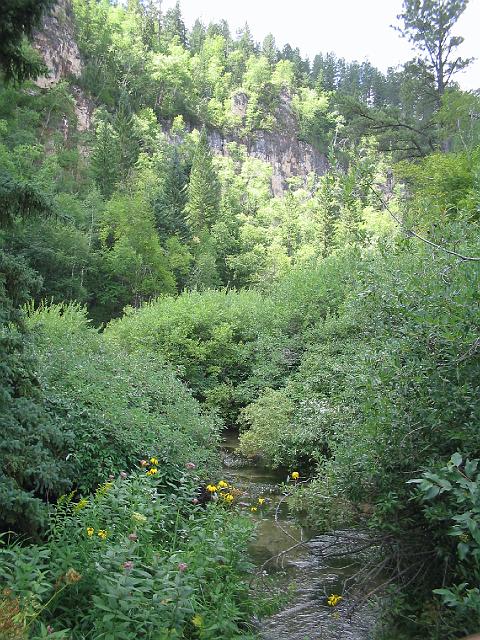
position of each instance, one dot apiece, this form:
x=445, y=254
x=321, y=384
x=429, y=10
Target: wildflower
x=81, y=504
x=111, y=477
x=228, y=497
x=128, y=565
x=72, y=576
x=182, y=566
x=102, y=534
x=139, y=517
x=222, y=484
x=132, y=537
x=154, y=461
x=333, y=600
x=195, y=501
x=143, y=463
x=152, y=471
x=90, y=531
x=253, y=509
x=261, y=501
x=197, y=621
x=211, y=488
x=295, y=475
x=123, y=475
x=50, y=629
x=191, y=465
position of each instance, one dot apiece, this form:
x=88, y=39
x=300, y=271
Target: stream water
x=306, y=616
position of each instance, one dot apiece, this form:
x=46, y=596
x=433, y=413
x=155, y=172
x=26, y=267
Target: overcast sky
x=352, y=29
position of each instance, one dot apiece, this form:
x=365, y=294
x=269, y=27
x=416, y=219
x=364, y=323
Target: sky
x=352, y=29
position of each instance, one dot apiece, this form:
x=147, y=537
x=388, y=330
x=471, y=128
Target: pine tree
x=269, y=49
x=173, y=25
x=104, y=161
x=169, y=203
x=17, y=21
x=203, y=196
x=428, y=25
x=197, y=36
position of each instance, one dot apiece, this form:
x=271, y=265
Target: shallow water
x=307, y=615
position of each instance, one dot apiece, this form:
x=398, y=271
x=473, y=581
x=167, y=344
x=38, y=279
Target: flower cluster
x=103, y=489
x=333, y=600
x=260, y=503
x=295, y=475
x=101, y=533
x=81, y=504
x=224, y=489
x=152, y=463
x=139, y=517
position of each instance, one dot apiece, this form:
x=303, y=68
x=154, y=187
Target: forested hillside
x=200, y=232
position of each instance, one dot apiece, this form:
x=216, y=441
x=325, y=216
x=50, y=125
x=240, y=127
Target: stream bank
x=307, y=615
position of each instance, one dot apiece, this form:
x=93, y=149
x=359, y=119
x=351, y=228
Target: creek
x=305, y=569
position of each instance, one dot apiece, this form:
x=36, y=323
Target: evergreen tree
x=203, y=195
x=104, y=161
x=17, y=22
x=174, y=26
x=128, y=145
x=269, y=49
x=197, y=36
x=245, y=42
x=428, y=25
x=169, y=203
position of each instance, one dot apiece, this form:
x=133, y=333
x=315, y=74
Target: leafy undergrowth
x=139, y=558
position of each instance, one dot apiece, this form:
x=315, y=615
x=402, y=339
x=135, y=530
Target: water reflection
x=307, y=616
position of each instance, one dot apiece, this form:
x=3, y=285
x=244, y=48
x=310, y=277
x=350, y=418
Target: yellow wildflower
x=197, y=621
x=103, y=488
x=152, y=471
x=139, y=517
x=253, y=509
x=90, y=531
x=228, y=497
x=261, y=501
x=295, y=475
x=154, y=461
x=211, y=488
x=102, y=534
x=222, y=484
x=81, y=504
x=333, y=600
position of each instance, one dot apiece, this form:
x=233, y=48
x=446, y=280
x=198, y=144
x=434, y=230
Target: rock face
x=55, y=41
x=281, y=148
x=288, y=156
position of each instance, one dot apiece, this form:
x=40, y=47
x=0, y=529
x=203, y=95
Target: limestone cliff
x=55, y=41
x=288, y=156
x=281, y=148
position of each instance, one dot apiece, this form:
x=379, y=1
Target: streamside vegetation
x=153, y=292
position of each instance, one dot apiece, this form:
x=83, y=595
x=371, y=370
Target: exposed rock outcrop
x=55, y=41
x=281, y=148
x=288, y=156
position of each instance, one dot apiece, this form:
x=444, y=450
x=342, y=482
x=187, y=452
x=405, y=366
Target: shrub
x=110, y=406
x=137, y=558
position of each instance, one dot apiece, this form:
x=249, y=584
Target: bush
x=117, y=405
x=136, y=559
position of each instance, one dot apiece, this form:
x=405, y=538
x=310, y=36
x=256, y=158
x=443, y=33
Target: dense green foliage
x=19, y=19
x=135, y=558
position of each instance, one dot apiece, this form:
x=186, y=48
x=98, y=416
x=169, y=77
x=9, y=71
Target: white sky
x=352, y=29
